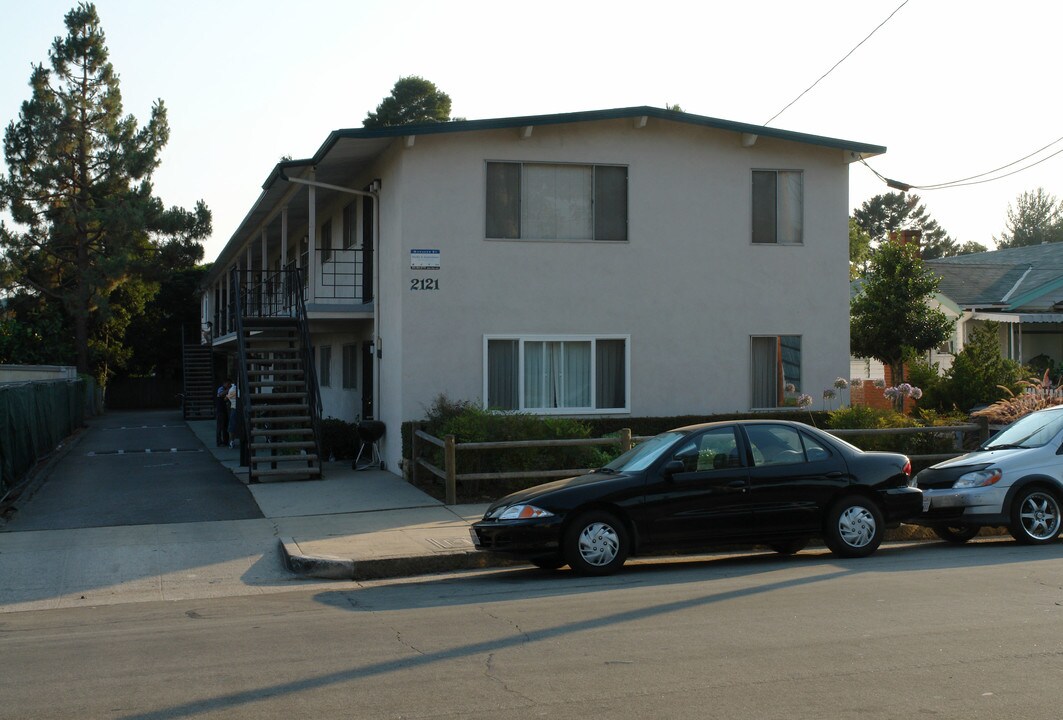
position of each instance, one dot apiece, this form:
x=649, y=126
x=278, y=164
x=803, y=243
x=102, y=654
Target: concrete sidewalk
x=359, y=525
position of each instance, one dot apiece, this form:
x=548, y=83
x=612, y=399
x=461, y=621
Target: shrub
x=862, y=416
x=339, y=439
x=1035, y=395
x=979, y=374
x=468, y=422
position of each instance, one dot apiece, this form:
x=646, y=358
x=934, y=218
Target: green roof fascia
x=1035, y=293
x=948, y=302
x=455, y=126
x=280, y=168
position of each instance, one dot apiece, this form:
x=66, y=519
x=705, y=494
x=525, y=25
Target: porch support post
x=284, y=237
x=311, y=250
x=265, y=260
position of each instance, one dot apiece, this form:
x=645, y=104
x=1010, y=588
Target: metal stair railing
x=310, y=368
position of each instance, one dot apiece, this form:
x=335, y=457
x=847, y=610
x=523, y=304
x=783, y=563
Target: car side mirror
x=671, y=468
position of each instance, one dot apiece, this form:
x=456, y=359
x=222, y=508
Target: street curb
x=325, y=567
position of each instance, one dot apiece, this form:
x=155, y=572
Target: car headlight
x=524, y=512
x=978, y=478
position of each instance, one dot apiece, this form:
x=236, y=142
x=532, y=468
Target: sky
x=952, y=88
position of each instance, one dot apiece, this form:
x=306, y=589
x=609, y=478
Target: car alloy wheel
x=1035, y=517
x=596, y=544
x=854, y=527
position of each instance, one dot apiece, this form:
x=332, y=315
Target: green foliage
x=1036, y=218
x=859, y=249
x=890, y=319
x=412, y=100
x=339, y=439
x=864, y=417
x=979, y=374
x=468, y=422
x=88, y=235
x=895, y=211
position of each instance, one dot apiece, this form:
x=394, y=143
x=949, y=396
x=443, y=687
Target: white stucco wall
x=689, y=287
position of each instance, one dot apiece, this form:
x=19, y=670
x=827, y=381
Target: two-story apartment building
x=628, y=262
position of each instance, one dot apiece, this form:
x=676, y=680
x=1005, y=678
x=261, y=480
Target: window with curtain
x=557, y=374
x=552, y=201
x=778, y=207
x=775, y=363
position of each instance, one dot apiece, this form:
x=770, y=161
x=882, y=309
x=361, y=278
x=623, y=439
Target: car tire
x=956, y=534
x=1035, y=516
x=790, y=547
x=549, y=562
x=595, y=543
x=855, y=527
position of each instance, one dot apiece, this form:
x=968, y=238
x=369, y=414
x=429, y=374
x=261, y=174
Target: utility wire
x=838, y=63
x=974, y=179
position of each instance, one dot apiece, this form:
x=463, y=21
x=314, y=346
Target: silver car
x=1014, y=480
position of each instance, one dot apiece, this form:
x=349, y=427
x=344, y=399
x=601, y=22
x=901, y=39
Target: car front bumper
x=963, y=504
x=902, y=504
x=522, y=538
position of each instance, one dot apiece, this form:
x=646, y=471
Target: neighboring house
x=1021, y=288
x=630, y=262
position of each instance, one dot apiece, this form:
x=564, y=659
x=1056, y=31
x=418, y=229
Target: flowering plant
x=857, y=382
x=841, y=383
x=804, y=400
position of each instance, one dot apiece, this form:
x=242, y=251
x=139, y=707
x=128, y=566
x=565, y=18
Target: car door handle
x=737, y=485
x=834, y=475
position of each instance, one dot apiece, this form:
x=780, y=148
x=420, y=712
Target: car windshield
x=1034, y=430
x=644, y=454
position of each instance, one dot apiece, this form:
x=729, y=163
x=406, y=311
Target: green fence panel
x=35, y=418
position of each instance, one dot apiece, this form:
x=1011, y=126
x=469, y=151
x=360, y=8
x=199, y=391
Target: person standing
x=231, y=396
x=221, y=414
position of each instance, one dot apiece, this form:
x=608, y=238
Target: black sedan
x=769, y=482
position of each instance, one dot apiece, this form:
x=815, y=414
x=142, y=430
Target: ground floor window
x=557, y=373
x=776, y=369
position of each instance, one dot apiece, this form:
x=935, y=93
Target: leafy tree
x=412, y=100
x=883, y=214
x=859, y=249
x=673, y=108
x=1036, y=218
x=891, y=319
x=87, y=228
x=971, y=247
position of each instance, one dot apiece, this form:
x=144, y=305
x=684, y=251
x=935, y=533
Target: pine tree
x=79, y=191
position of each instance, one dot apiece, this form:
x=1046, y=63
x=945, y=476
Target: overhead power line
x=838, y=63
x=973, y=179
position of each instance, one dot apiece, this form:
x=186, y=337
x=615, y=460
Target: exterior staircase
x=279, y=403
x=197, y=384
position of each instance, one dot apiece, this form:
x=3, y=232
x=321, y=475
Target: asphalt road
x=135, y=468
x=919, y=630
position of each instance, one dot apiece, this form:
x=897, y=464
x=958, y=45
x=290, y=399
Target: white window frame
x=523, y=339
x=521, y=164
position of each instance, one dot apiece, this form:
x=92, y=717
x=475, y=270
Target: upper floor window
x=778, y=207
x=545, y=201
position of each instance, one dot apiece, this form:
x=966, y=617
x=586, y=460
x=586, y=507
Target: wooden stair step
x=263, y=397
x=288, y=472
x=270, y=459
x=284, y=445
x=302, y=420
x=280, y=407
